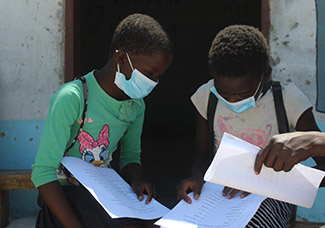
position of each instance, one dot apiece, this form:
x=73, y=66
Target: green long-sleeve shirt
x=108, y=122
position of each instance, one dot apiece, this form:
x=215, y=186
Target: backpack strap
x=282, y=119
x=281, y=114
x=212, y=105
x=84, y=113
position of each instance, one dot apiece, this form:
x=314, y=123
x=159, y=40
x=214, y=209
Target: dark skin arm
x=293, y=147
x=307, y=122
x=132, y=174
x=286, y=150
x=52, y=193
x=277, y=159
x=200, y=165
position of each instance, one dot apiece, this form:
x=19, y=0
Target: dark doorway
x=169, y=130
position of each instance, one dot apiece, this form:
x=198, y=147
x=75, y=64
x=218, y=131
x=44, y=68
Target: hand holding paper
x=233, y=166
x=212, y=210
x=284, y=151
x=112, y=192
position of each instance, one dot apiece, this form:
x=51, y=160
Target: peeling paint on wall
x=31, y=70
x=31, y=57
x=293, y=59
x=293, y=45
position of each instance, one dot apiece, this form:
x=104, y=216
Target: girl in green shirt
x=139, y=53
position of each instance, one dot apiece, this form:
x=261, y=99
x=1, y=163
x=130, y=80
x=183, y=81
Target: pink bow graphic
x=87, y=142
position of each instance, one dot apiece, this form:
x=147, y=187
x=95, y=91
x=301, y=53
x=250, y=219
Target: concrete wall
x=293, y=53
x=31, y=70
x=31, y=57
x=320, y=55
x=293, y=45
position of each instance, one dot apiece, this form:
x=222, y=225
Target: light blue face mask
x=239, y=106
x=138, y=86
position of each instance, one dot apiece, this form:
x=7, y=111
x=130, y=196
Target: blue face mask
x=138, y=86
x=239, y=106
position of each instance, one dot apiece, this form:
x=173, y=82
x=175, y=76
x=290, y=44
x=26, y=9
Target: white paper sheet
x=233, y=166
x=212, y=210
x=112, y=192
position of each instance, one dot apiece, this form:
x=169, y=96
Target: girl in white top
x=239, y=64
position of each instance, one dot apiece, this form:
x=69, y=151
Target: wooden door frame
x=72, y=40
x=265, y=18
x=72, y=35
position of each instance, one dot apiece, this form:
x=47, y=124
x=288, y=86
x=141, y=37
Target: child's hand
x=140, y=187
x=186, y=185
x=231, y=192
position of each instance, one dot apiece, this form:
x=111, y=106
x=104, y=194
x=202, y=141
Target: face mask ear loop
x=258, y=88
x=118, y=68
x=118, y=65
x=129, y=60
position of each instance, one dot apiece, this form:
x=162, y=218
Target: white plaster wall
x=31, y=56
x=293, y=45
x=293, y=52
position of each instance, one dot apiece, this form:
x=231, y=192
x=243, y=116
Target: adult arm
x=307, y=122
x=52, y=193
x=284, y=151
x=300, y=113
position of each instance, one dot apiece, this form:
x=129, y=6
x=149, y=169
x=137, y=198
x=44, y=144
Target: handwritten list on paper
x=112, y=192
x=212, y=210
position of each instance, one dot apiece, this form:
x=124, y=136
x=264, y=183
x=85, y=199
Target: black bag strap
x=282, y=119
x=212, y=106
x=281, y=114
x=84, y=113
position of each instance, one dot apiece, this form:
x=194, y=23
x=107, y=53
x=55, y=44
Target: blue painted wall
x=317, y=212
x=320, y=105
x=19, y=140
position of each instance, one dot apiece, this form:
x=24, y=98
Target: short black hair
x=238, y=50
x=140, y=34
